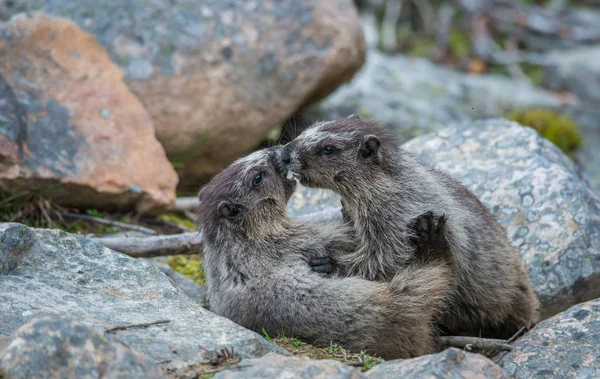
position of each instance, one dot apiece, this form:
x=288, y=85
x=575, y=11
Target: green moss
x=560, y=129
x=188, y=265
x=178, y=219
x=274, y=135
x=459, y=43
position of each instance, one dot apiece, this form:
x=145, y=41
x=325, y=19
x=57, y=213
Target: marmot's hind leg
x=429, y=237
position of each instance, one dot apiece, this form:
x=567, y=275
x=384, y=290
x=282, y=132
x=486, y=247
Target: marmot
x=257, y=272
x=383, y=188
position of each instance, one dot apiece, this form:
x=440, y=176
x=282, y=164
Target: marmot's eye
x=327, y=150
x=257, y=179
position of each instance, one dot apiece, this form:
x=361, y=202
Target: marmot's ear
x=230, y=210
x=370, y=146
x=353, y=117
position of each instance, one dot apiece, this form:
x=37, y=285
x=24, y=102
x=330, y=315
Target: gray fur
x=257, y=272
x=383, y=188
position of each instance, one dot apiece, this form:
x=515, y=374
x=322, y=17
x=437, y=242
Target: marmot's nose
x=285, y=157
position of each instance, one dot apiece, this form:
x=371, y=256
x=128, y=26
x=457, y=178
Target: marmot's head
x=250, y=196
x=339, y=155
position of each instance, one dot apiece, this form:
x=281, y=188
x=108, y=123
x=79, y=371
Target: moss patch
x=560, y=129
x=188, y=265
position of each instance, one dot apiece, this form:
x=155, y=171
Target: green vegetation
x=300, y=348
x=558, y=128
x=178, y=219
x=188, y=265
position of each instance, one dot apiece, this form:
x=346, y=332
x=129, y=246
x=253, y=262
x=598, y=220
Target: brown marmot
x=258, y=275
x=383, y=188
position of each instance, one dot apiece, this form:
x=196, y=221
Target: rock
x=66, y=274
x=55, y=347
x=551, y=215
x=278, y=366
x=217, y=75
x=15, y=242
x=412, y=96
x=192, y=289
x=564, y=346
x=450, y=363
x=70, y=126
x=576, y=70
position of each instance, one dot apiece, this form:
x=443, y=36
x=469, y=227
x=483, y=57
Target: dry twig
x=143, y=325
x=475, y=342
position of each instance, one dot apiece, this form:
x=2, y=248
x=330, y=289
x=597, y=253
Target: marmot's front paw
x=429, y=235
x=322, y=265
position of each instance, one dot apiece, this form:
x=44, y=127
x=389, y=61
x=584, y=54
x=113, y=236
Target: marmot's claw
x=323, y=265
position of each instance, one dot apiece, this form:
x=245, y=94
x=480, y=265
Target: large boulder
x=564, y=346
x=450, y=363
x=217, y=75
x=68, y=275
x=67, y=118
x=59, y=347
x=551, y=214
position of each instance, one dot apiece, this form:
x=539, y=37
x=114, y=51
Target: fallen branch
x=186, y=204
x=104, y=221
x=131, y=326
x=475, y=343
x=517, y=335
x=147, y=247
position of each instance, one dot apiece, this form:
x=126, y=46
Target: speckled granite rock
x=194, y=290
x=450, y=363
x=61, y=348
x=551, y=215
x=413, y=96
x=65, y=274
x=217, y=75
x=67, y=117
x=278, y=366
x=564, y=346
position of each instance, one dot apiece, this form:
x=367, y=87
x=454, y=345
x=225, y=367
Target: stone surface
x=67, y=118
x=192, y=289
x=576, y=70
x=217, y=75
x=65, y=274
x=61, y=348
x=413, y=96
x=551, y=215
x=278, y=366
x=564, y=346
x=450, y=363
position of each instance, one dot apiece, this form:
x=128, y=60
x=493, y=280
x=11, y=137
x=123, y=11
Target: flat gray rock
x=65, y=274
x=564, y=346
x=278, y=366
x=551, y=215
x=450, y=363
x=60, y=348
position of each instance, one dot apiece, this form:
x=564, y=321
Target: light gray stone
x=65, y=274
x=278, y=366
x=564, y=346
x=60, y=348
x=450, y=363
x=551, y=215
